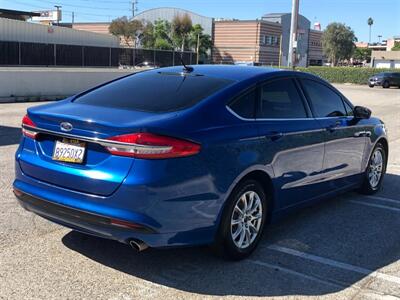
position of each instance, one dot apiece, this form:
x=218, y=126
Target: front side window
x=325, y=102
x=349, y=109
x=281, y=100
x=244, y=105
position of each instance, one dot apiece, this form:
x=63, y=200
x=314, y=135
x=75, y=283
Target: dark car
x=385, y=79
x=195, y=156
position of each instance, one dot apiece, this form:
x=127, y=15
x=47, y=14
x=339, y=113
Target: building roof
x=274, y=15
x=168, y=13
x=17, y=14
x=385, y=55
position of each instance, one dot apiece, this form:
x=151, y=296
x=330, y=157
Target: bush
x=344, y=74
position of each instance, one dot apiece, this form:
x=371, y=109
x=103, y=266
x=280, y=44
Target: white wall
x=21, y=31
x=35, y=84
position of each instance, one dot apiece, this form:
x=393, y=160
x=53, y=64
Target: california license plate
x=68, y=150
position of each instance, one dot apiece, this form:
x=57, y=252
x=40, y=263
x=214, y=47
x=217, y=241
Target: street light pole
x=293, y=34
x=58, y=13
x=198, y=48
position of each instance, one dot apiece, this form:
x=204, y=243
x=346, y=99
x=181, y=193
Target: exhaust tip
x=138, y=245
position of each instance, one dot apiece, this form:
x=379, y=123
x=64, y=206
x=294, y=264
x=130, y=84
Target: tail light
x=151, y=146
x=26, y=121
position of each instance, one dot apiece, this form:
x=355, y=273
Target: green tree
x=148, y=38
x=196, y=35
x=362, y=54
x=181, y=28
x=396, y=46
x=129, y=30
x=338, y=42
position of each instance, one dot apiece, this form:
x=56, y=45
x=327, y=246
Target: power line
x=82, y=6
x=65, y=11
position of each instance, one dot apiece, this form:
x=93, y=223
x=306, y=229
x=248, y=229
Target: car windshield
x=382, y=74
x=154, y=91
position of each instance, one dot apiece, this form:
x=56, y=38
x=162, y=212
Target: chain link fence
x=38, y=54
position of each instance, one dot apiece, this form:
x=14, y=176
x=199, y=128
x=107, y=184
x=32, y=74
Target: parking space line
x=336, y=264
x=384, y=199
x=295, y=273
x=375, y=205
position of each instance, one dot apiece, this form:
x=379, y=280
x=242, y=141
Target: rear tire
x=371, y=85
x=386, y=84
x=375, y=171
x=242, y=222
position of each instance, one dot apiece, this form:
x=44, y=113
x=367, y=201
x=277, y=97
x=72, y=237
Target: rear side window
x=325, y=102
x=244, y=105
x=154, y=91
x=280, y=99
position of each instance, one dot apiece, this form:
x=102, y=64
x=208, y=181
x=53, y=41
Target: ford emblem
x=65, y=126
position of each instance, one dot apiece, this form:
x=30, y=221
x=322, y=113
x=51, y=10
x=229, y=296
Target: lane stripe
x=375, y=205
x=384, y=199
x=295, y=273
x=337, y=285
x=336, y=264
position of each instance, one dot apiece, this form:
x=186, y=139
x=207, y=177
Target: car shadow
x=9, y=135
x=336, y=230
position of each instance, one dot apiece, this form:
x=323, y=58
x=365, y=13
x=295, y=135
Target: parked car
x=197, y=155
x=385, y=79
x=146, y=65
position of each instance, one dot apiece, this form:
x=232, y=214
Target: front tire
x=375, y=171
x=242, y=222
x=386, y=84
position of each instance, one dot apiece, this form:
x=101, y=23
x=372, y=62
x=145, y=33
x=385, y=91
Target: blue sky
x=354, y=13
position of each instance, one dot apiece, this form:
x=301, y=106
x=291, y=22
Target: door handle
x=273, y=136
x=362, y=134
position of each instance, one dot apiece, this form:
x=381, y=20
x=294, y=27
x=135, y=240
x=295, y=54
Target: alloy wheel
x=246, y=219
x=375, y=168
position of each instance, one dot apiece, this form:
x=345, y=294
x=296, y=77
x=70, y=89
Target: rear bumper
x=91, y=214
x=76, y=219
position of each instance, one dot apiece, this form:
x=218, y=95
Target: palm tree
x=181, y=28
x=370, y=23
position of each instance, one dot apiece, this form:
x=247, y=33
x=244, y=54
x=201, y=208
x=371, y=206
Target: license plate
x=68, y=150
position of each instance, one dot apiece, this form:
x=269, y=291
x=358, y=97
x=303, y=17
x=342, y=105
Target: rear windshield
x=154, y=92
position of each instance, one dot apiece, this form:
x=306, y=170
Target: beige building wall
x=315, y=52
x=235, y=41
x=246, y=41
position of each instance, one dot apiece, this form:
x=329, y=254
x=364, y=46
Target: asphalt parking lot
x=344, y=248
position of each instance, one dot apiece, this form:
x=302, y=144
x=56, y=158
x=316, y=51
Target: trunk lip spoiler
x=102, y=142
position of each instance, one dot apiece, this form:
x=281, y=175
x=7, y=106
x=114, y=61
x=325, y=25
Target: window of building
x=263, y=39
x=281, y=100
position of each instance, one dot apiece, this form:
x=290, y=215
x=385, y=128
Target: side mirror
x=361, y=112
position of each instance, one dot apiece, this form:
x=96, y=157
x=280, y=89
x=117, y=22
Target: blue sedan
x=186, y=156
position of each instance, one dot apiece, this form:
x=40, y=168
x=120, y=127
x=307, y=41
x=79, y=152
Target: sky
x=354, y=13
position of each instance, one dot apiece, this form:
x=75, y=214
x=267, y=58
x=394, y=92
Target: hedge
x=344, y=74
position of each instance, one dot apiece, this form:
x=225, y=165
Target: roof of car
x=231, y=72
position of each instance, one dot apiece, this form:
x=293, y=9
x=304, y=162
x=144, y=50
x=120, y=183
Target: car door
x=344, y=138
x=292, y=141
x=396, y=79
